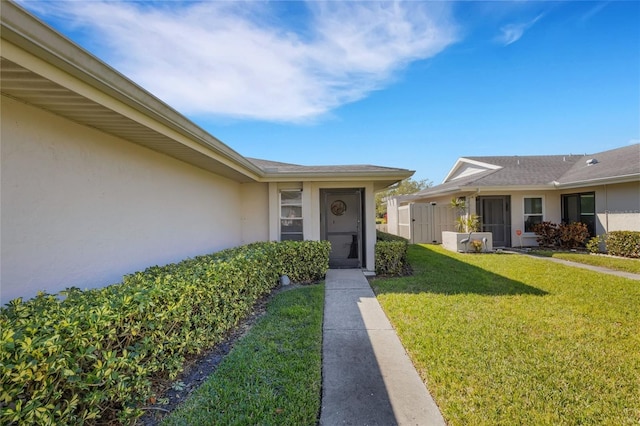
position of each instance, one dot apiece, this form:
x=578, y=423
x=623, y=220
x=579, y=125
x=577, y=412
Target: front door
x=495, y=217
x=341, y=226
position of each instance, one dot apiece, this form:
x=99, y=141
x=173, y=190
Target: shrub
x=304, y=261
x=567, y=236
x=593, y=245
x=623, y=243
x=546, y=234
x=391, y=254
x=94, y=354
x=384, y=236
x=477, y=245
x=573, y=235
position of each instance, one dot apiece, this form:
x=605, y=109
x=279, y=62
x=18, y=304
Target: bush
x=623, y=243
x=573, y=235
x=391, y=254
x=546, y=234
x=384, y=236
x=567, y=236
x=593, y=245
x=94, y=354
x=304, y=261
x=391, y=258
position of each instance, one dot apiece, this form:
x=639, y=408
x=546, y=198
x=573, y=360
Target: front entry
x=495, y=217
x=341, y=225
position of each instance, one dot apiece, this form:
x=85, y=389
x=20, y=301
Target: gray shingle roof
x=544, y=170
x=526, y=170
x=285, y=168
x=619, y=162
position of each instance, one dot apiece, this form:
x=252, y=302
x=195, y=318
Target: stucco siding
x=550, y=213
x=623, y=197
x=617, y=206
x=82, y=208
x=255, y=212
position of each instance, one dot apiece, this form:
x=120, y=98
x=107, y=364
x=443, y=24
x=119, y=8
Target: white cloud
x=513, y=32
x=239, y=59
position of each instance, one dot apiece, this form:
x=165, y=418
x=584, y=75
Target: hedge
x=384, y=236
x=623, y=243
x=391, y=255
x=94, y=354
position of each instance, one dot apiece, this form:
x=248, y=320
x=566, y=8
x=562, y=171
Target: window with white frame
x=533, y=212
x=291, y=215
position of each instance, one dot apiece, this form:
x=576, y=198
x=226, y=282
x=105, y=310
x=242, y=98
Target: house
x=101, y=179
x=512, y=193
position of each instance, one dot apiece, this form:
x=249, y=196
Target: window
x=291, y=215
x=532, y=213
x=580, y=208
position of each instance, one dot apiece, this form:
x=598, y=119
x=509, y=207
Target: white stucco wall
x=82, y=208
x=311, y=205
x=550, y=213
x=255, y=212
x=617, y=206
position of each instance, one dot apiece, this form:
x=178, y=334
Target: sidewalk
x=367, y=377
x=600, y=269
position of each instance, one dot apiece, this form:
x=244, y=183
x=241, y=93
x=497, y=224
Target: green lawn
x=273, y=375
x=617, y=263
x=503, y=339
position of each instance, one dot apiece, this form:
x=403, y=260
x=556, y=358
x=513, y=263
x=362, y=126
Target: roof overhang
x=42, y=68
x=635, y=177
x=381, y=180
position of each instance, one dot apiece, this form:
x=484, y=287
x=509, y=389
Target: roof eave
x=634, y=177
x=381, y=179
x=24, y=31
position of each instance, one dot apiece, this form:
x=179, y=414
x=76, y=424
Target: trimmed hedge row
x=391, y=254
x=95, y=354
x=623, y=243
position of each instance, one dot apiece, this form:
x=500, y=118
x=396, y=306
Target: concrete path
x=367, y=377
x=600, y=269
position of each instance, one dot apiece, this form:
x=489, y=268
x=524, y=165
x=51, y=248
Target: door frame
x=506, y=212
x=359, y=225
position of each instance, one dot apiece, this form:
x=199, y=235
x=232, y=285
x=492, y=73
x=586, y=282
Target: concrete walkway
x=600, y=269
x=367, y=377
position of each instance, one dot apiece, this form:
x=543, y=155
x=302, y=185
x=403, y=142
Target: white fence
x=424, y=222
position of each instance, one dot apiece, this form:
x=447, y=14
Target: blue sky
x=402, y=84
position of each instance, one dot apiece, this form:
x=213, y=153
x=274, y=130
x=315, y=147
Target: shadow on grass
x=438, y=273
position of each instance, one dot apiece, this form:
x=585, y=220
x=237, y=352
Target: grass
x=273, y=374
x=506, y=339
x=616, y=263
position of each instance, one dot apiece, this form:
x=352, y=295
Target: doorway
x=495, y=217
x=341, y=225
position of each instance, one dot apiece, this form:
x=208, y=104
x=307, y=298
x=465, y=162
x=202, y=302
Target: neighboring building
x=101, y=179
x=511, y=194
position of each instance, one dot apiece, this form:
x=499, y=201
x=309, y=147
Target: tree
x=406, y=186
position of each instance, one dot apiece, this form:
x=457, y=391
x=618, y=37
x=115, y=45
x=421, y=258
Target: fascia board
x=599, y=181
x=53, y=51
x=317, y=177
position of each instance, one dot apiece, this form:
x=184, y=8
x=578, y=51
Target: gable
x=466, y=167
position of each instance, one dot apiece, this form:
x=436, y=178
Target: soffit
x=28, y=87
